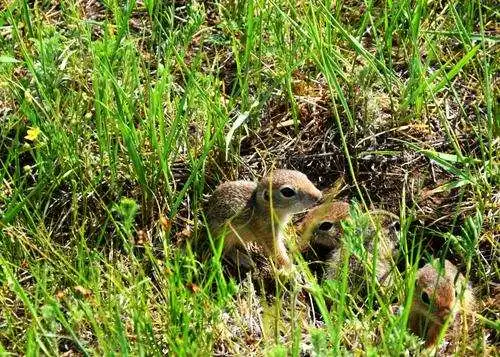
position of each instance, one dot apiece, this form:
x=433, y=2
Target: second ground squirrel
x=253, y=214
x=441, y=293
x=327, y=242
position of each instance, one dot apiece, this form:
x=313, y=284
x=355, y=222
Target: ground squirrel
x=254, y=214
x=322, y=228
x=440, y=293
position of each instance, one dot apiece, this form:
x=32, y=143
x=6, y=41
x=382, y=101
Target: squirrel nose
x=318, y=195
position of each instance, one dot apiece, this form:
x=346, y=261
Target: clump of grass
x=117, y=118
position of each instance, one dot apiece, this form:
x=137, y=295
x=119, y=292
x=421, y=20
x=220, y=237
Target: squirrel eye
x=287, y=192
x=425, y=298
x=265, y=195
x=325, y=226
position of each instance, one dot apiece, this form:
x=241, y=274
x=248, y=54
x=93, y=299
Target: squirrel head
x=435, y=299
x=321, y=226
x=287, y=192
x=435, y=288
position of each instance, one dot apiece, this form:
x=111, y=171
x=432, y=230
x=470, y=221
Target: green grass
x=143, y=107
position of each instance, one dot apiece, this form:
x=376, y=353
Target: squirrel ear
x=265, y=195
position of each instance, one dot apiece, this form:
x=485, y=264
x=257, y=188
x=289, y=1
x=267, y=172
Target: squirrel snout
x=316, y=195
x=310, y=198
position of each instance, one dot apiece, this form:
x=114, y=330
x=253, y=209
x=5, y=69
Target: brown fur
x=326, y=240
x=256, y=213
x=443, y=288
x=332, y=213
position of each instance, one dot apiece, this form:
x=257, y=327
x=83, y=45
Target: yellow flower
x=111, y=29
x=33, y=133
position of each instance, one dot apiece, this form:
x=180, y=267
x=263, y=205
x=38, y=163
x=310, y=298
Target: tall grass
x=134, y=124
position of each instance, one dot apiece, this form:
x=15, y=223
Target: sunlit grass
x=117, y=118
